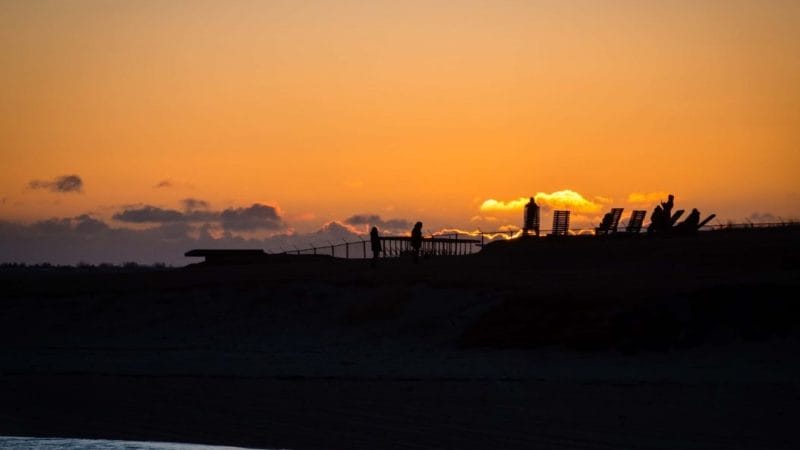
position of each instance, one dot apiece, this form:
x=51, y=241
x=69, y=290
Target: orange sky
x=415, y=110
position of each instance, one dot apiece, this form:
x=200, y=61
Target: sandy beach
x=681, y=343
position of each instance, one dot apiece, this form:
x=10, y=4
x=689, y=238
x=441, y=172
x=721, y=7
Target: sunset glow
x=449, y=113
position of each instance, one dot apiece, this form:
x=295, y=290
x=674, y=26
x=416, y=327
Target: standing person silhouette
x=667, y=207
x=375, y=243
x=531, y=218
x=416, y=240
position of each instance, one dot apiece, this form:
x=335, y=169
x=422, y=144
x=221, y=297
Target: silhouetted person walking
x=375, y=243
x=416, y=240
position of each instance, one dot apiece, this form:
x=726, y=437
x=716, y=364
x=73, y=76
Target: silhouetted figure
x=531, y=218
x=416, y=240
x=656, y=220
x=661, y=220
x=606, y=222
x=375, y=243
x=667, y=206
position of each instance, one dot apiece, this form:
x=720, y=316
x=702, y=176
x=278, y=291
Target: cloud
x=169, y=183
x=566, y=199
x=499, y=205
x=254, y=217
x=335, y=230
x=52, y=226
x=374, y=220
x=603, y=199
x=62, y=184
x=149, y=214
x=194, y=203
x=479, y=218
x=647, y=197
x=85, y=224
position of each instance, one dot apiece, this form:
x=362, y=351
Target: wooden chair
x=560, y=223
x=636, y=221
x=610, y=222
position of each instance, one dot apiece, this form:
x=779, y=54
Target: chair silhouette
x=636, y=221
x=704, y=222
x=610, y=222
x=675, y=217
x=560, y=223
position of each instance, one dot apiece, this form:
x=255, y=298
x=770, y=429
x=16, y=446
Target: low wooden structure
x=226, y=256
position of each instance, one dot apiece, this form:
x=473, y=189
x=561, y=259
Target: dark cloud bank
x=62, y=184
x=170, y=233
x=252, y=218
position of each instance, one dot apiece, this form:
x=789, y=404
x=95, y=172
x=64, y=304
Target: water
x=30, y=443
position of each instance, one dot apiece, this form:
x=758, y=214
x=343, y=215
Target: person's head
x=418, y=225
x=374, y=230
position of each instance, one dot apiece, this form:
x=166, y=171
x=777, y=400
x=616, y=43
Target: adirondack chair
x=636, y=221
x=707, y=219
x=560, y=223
x=676, y=216
x=610, y=222
x=692, y=224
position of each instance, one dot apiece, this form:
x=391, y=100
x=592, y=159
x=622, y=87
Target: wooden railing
x=395, y=246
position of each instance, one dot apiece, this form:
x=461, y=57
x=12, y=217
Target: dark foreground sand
x=682, y=343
